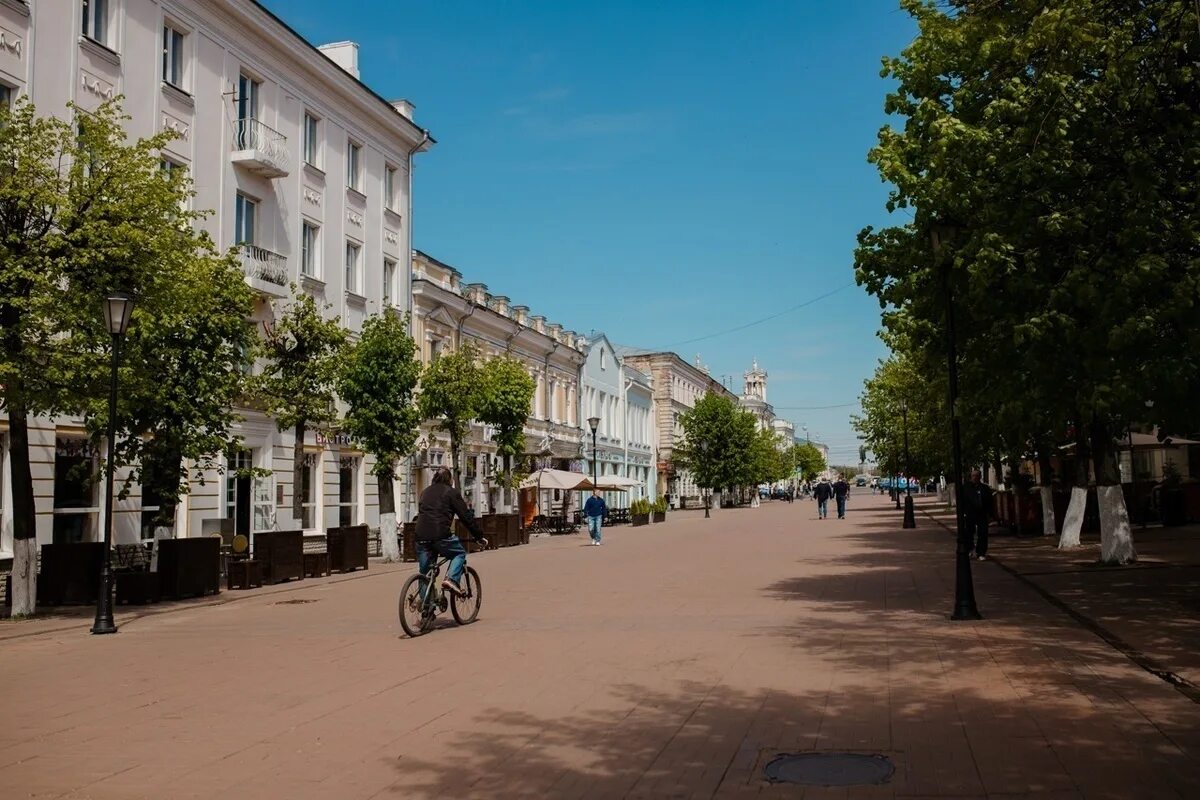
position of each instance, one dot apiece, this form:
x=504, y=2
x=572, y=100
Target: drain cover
x=829, y=769
x=296, y=602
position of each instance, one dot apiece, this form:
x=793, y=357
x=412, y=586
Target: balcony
x=260, y=149
x=266, y=272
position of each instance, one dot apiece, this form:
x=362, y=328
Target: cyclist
x=435, y=513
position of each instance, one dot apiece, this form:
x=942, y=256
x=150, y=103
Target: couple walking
x=825, y=490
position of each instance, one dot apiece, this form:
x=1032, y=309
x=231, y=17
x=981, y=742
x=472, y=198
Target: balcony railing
x=265, y=270
x=260, y=148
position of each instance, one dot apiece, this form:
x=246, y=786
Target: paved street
x=674, y=661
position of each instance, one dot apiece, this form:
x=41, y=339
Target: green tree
x=83, y=212
x=505, y=403
x=717, y=441
x=808, y=460
x=303, y=353
x=452, y=395
x=378, y=383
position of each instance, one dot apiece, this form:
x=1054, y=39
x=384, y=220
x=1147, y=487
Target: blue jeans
x=841, y=506
x=594, y=526
x=427, y=551
x=822, y=508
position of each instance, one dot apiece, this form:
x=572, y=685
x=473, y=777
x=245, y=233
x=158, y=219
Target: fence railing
x=268, y=143
x=264, y=265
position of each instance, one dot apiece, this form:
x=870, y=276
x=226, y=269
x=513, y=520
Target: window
x=353, y=259
x=347, y=491
x=354, y=166
x=310, y=491
x=172, y=60
x=389, y=278
x=247, y=97
x=6, y=95
x=389, y=188
x=95, y=20
x=235, y=462
x=603, y=359
x=309, y=250
x=243, y=230
x=435, y=348
x=311, y=143
x=74, y=490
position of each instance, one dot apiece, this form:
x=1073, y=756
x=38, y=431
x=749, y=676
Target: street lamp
x=707, y=489
x=964, y=584
x=118, y=307
x=594, y=422
x=910, y=518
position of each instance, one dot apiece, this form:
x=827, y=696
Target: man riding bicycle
x=435, y=513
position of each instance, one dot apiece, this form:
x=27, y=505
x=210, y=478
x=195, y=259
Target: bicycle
x=424, y=604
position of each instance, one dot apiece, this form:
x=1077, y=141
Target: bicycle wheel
x=466, y=609
x=415, y=618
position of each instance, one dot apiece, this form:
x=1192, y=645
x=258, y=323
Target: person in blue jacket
x=595, y=509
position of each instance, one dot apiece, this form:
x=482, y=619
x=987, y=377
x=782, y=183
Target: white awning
x=556, y=479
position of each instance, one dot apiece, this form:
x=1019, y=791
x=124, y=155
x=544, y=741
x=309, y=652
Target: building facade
x=620, y=397
x=677, y=386
x=446, y=313
x=306, y=171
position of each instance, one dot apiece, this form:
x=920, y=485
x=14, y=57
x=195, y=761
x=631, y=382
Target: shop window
x=310, y=491
x=75, y=510
x=348, y=468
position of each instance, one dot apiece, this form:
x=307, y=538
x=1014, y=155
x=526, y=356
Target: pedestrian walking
x=822, y=492
x=841, y=491
x=977, y=510
x=594, y=509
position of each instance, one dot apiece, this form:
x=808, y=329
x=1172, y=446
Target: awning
x=556, y=479
x=617, y=483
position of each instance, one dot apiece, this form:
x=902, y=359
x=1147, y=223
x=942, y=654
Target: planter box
x=70, y=573
x=347, y=548
x=638, y=520
x=281, y=554
x=659, y=516
x=189, y=567
x=137, y=587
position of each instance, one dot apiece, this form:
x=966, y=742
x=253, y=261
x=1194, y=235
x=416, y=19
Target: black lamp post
x=118, y=307
x=707, y=489
x=964, y=584
x=594, y=422
x=910, y=518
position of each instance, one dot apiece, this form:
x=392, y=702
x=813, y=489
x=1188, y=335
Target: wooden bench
x=316, y=556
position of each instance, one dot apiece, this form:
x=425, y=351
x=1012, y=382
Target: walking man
x=841, y=490
x=977, y=508
x=595, y=509
x=822, y=493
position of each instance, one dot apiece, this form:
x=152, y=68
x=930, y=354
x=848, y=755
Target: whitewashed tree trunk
x=1073, y=520
x=24, y=577
x=1047, y=510
x=1116, y=535
x=387, y=538
x=951, y=495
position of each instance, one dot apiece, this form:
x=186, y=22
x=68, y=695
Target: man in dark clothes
x=822, y=493
x=438, y=506
x=841, y=490
x=977, y=508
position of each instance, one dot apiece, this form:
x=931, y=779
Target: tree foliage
x=505, y=403
x=452, y=395
x=808, y=460
x=717, y=441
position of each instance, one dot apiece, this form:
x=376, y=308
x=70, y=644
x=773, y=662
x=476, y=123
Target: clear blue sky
x=659, y=171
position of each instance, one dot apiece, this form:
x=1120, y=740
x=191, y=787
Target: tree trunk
x=387, y=518
x=457, y=471
x=298, y=475
x=1116, y=535
x=1046, y=490
x=1073, y=521
x=25, y=547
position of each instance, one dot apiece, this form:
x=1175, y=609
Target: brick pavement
x=674, y=661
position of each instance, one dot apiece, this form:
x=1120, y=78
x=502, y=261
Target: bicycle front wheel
x=415, y=617
x=466, y=608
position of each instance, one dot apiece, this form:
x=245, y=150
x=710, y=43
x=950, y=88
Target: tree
x=768, y=462
x=451, y=396
x=83, y=212
x=808, y=460
x=304, y=351
x=506, y=399
x=717, y=440
x=378, y=383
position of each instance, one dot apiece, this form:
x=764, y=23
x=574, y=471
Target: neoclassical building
x=447, y=312
x=307, y=172
x=754, y=397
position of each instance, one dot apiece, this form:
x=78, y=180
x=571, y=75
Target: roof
x=433, y=260
x=258, y=4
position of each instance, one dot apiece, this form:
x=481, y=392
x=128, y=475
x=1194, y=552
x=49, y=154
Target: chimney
x=344, y=54
x=404, y=107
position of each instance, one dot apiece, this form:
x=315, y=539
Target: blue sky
x=659, y=171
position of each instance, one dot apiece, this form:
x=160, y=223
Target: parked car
x=860, y=481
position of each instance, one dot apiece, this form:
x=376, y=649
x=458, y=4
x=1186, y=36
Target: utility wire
x=776, y=315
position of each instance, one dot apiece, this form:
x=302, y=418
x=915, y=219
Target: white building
x=754, y=397
x=620, y=397
x=304, y=167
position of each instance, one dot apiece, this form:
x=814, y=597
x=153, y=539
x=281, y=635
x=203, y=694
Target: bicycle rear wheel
x=415, y=617
x=466, y=608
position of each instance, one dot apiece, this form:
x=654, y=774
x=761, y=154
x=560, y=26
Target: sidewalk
x=1149, y=610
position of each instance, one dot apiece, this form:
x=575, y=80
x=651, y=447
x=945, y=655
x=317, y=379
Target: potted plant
x=659, y=509
x=639, y=512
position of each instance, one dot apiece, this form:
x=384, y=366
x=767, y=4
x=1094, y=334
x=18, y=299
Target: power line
x=813, y=408
x=764, y=319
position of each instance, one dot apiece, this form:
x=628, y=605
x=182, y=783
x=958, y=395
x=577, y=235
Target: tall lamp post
x=964, y=584
x=910, y=518
x=707, y=489
x=594, y=423
x=118, y=307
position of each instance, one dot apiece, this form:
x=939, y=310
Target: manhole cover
x=296, y=602
x=829, y=769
